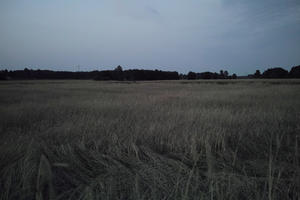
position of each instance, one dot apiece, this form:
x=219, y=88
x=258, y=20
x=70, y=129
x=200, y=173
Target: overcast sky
x=183, y=35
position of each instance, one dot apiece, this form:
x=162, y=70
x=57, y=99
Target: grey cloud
x=152, y=10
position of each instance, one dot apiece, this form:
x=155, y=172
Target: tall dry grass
x=150, y=140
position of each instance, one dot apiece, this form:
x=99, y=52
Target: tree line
x=136, y=75
x=209, y=75
x=28, y=74
x=277, y=72
x=139, y=74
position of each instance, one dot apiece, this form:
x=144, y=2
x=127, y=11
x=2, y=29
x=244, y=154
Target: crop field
x=222, y=139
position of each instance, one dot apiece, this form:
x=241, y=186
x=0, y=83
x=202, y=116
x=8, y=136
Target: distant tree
x=234, y=76
x=206, y=75
x=226, y=74
x=257, y=74
x=275, y=73
x=191, y=75
x=182, y=76
x=221, y=73
x=295, y=72
x=4, y=75
x=118, y=74
x=119, y=68
x=27, y=73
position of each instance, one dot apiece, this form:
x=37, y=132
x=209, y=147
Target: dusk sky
x=177, y=35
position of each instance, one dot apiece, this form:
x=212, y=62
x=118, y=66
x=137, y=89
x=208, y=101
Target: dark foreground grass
x=149, y=140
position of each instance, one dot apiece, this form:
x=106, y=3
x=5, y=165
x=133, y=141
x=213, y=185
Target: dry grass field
x=230, y=139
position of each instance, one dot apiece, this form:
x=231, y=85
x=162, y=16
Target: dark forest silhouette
x=140, y=74
x=136, y=75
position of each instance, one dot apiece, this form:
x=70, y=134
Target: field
x=231, y=139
